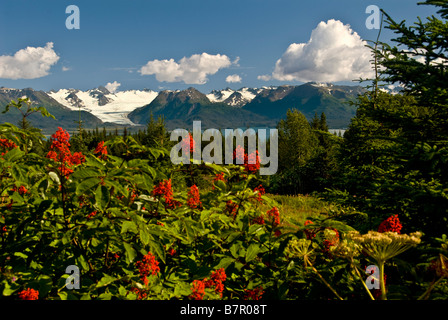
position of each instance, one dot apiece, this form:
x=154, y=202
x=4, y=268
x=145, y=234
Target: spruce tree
x=395, y=152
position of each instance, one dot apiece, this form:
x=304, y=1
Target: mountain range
x=227, y=108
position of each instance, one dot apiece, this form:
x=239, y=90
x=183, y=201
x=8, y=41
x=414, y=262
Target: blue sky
x=242, y=39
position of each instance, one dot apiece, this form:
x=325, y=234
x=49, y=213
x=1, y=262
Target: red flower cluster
x=91, y=215
x=261, y=191
x=101, y=150
x=253, y=294
x=258, y=220
x=21, y=190
x=193, y=197
x=164, y=190
x=239, y=154
x=309, y=234
x=331, y=240
x=7, y=144
x=231, y=208
x=219, y=176
x=149, y=265
x=391, y=224
x=188, y=143
x=60, y=152
x=172, y=252
x=251, y=162
x=29, y=294
x=198, y=288
x=141, y=293
x=274, y=215
x=215, y=282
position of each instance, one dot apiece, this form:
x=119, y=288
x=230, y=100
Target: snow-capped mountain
x=107, y=106
x=234, y=98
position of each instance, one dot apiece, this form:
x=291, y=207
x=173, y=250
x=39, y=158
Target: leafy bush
x=136, y=234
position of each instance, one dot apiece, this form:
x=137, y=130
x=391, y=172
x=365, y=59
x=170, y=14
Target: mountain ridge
x=244, y=107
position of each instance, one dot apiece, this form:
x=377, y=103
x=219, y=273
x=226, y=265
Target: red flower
x=91, y=215
x=274, y=214
x=22, y=190
x=101, y=149
x=332, y=238
x=29, y=294
x=215, y=282
x=60, y=152
x=231, y=208
x=172, y=251
x=261, y=191
x=309, y=234
x=193, y=197
x=391, y=224
x=141, y=293
x=164, y=190
x=258, y=220
x=252, y=162
x=188, y=143
x=239, y=154
x=7, y=144
x=253, y=294
x=198, y=290
x=148, y=265
x=219, y=176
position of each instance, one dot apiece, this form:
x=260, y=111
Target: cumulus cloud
x=112, y=87
x=28, y=63
x=191, y=70
x=334, y=53
x=233, y=78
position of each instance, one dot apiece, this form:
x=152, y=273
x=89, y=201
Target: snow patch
x=116, y=111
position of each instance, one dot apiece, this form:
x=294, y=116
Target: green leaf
x=225, y=262
x=221, y=185
x=87, y=184
x=105, y=280
x=85, y=173
x=45, y=284
x=102, y=197
x=235, y=249
x=9, y=289
x=252, y=252
x=13, y=155
x=130, y=252
x=144, y=234
x=129, y=226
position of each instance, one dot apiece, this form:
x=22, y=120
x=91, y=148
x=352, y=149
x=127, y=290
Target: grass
x=295, y=210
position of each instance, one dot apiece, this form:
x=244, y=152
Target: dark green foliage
x=395, y=153
x=306, y=153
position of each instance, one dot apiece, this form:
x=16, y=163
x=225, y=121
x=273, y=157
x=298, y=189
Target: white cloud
x=192, y=70
x=334, y=53
x=28, y=63
x=264, y=77
x=66, y=68
x=233, y=78
x=112, y=87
